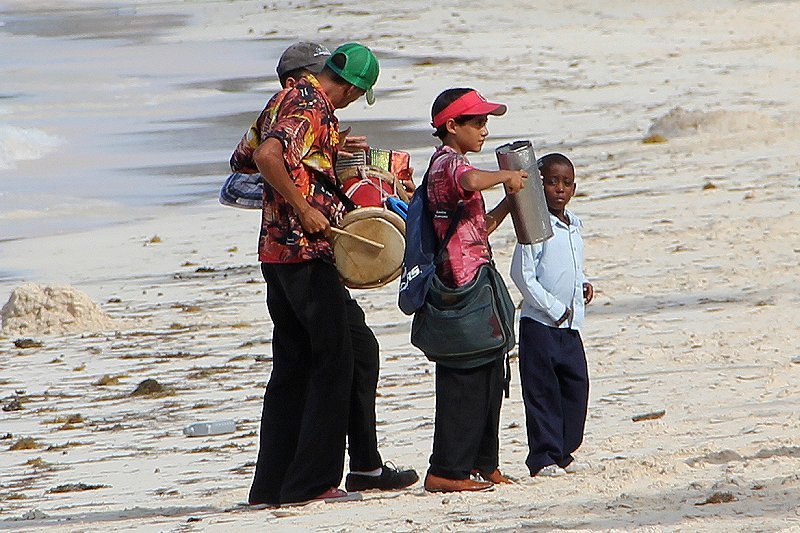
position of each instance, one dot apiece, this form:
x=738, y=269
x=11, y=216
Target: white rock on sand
x=34, y=309
x=679, y=122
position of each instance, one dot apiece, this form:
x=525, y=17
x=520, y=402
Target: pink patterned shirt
x=468, y=248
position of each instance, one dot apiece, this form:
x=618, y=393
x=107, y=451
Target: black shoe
x=391, y=478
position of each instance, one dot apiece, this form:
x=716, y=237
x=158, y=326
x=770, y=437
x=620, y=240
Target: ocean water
x=104, y=120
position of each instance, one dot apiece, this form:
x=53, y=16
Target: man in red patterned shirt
x=244, y=187
x=307, y=403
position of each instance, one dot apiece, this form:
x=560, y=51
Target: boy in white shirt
x=552, y=362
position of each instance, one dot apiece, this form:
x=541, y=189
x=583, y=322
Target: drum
x=370, y=186
x=365, y=266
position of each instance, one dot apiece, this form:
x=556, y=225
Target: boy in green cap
x=359, y=68
x=243, y=188
x=318, y=327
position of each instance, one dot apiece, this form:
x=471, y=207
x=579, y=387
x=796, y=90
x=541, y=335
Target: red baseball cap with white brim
x=471, y=103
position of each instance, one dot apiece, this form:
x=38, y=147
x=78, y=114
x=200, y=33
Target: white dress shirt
x=550, y=275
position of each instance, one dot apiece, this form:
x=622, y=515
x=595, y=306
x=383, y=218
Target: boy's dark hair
x=296, y=74
x=445, y=98
x=546, y=161
x=339, y=60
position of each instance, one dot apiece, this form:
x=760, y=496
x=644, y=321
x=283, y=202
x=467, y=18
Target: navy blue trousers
x=555, y=389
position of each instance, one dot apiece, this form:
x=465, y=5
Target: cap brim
x=317, y=66
x=486, y=108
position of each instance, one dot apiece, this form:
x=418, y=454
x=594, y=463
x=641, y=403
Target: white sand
x=691, y=244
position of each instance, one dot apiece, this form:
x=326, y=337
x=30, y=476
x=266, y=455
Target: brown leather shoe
x=441, y=484
x=496, y=477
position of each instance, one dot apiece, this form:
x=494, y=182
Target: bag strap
x=507, y=377
x=349, y=205
x=456, y=216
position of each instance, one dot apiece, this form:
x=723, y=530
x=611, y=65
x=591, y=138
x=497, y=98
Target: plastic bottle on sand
x=201, y=429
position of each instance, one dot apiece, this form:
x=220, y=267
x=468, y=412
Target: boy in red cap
x=465, y=440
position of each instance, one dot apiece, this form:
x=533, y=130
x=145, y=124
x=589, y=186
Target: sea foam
x=18, y=144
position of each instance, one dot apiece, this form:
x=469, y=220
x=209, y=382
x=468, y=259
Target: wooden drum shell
x=361, y=265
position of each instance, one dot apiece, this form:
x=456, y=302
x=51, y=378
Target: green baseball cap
x=360, y=68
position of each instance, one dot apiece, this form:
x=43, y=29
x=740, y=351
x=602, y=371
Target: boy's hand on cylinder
x=314, y=221
x=514, y=180
x=588, y=292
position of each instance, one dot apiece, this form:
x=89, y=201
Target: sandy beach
x=682, y=120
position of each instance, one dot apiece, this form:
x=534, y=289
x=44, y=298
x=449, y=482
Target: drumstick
x=357, y=237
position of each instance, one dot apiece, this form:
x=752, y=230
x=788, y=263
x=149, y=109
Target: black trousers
x=467, y=423
x=362, y=440
x=555, y=390
x=310, y=395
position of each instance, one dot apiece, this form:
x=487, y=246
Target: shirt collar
x=574, y=221
x=445, y=148
x=314, y=82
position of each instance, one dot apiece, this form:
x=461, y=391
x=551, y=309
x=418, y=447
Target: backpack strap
x=456, y=215
x=451, y=229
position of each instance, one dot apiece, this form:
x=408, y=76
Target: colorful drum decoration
x=370, y=186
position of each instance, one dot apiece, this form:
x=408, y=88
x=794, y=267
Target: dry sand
x=691, y=244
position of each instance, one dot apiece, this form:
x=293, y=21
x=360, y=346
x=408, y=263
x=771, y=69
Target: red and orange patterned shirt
x=302, y=119
x=468, y=248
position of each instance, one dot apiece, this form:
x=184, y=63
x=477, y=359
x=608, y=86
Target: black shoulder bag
x=467, y=326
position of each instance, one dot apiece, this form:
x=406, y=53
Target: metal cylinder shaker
x=528, y=206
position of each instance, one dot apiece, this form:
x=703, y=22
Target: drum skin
x=361, y=265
